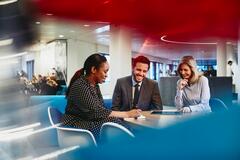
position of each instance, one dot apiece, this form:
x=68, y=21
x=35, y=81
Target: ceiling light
x=13, y=56
x=49, y=14
x=106, y=2
x=38, y=22
x=20, y=128
x=7, y=2
x=6, y=42
x=61, y=36
x=163, y=38
x=102, y=29
x=86, y=25
x=72, y=31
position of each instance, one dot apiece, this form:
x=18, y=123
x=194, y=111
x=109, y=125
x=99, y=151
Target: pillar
x=221, y=59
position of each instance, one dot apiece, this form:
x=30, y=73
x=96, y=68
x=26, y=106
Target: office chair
x=110, y=130
x=54, y=116
x=217, y=105
x=68, y=136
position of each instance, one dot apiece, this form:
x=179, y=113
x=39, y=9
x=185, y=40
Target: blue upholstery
x=59, y=101
x=54, y=116
x=62, y=90
x=56, y=101
x=108, y=103
x=217, y=105
x=212, y=136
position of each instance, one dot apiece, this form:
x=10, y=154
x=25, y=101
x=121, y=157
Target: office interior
x=42, y=38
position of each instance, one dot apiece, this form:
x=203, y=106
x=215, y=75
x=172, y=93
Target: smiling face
x=185, y=71
x=140, y=71
x=101, y=73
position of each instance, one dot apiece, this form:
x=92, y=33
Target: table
x=157, y=120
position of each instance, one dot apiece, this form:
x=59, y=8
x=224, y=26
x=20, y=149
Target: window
x=30, y=69
x=151, y=70
x=159, y=70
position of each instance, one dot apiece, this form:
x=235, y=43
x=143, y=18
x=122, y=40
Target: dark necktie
x=136, y=95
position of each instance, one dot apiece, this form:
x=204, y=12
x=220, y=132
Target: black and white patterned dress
x=85, y=108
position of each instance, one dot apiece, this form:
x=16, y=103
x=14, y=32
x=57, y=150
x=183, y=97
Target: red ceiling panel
x=179, y=19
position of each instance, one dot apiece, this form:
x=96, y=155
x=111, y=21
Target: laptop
x=167, y=112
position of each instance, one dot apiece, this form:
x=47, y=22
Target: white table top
x=158, y=120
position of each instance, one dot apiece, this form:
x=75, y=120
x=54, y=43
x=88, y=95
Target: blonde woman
x=193, y=91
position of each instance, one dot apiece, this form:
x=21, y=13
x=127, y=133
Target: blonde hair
x=192, y=64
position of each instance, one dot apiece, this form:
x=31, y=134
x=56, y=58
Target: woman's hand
x=182, y=84
x=134, y=113
x=186, y=110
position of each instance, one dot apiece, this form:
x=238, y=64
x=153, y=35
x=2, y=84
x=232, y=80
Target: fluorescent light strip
x=7, y=2
x=15, y=135
x=102, y=29
x=56, y=153
x=9, y=137
x=42, y=130
x=6, y=42
x=179, y=42
x=13, y=56
x=20, y=128
x=25, y=158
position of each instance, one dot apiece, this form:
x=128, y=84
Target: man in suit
x=137, y=91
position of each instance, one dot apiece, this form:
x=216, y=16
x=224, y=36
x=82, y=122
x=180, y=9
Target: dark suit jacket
x=149, y=97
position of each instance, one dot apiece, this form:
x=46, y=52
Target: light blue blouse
x=196, y=96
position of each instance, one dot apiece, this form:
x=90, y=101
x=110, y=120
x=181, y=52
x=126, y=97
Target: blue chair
x=54, y=116
x=62, y=90
x=110, y=131
x=69, y=136
x=57, y=101
x=108, y=103
x=217, y=105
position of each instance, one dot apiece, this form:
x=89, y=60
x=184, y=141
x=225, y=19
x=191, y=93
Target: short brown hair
x=141, y=59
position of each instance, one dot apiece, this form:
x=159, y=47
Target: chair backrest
x=54, y=116
x=107, y=103
x=74, y=136
x=69, y=136
x=110, y=130
x=217, y=105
